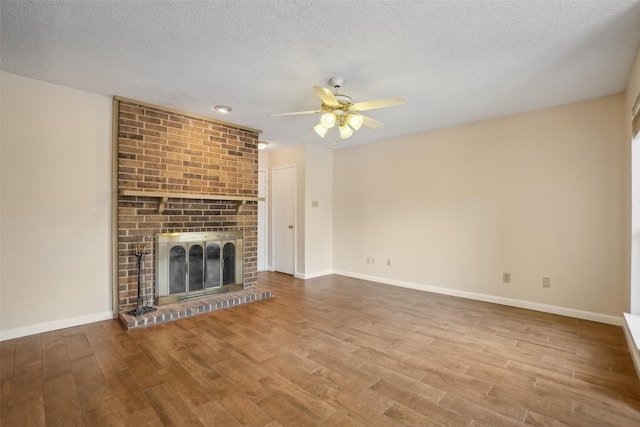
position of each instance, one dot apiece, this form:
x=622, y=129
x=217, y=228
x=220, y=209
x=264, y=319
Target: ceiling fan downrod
x=336, y=82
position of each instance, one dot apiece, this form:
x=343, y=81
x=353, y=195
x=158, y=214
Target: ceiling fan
x=340, y=109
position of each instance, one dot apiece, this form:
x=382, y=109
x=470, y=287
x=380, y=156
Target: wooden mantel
x=163, y=197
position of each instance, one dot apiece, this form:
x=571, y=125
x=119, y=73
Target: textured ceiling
x=455, y=62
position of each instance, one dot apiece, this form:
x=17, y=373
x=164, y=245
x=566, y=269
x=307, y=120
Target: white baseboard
x=314, y=275
x=39, y=328
x=545, y=308
x=632, y=334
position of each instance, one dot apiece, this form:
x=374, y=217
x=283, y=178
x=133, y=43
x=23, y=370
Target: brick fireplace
x=179, y=173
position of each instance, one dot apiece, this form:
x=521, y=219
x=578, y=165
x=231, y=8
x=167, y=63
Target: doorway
x=284, y=218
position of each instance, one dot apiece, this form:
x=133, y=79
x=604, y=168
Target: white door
x=283, y=214
x=262, y=221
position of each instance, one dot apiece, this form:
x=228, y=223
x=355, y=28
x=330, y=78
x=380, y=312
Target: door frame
x=265, y=237
x=271, y=267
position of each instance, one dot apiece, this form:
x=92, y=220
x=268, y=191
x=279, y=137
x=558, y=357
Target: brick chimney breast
x=167, y=151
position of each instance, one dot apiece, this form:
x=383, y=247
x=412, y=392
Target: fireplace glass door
x=191, y=264
x=177, y=270
x=196, y=267
x=212, y=266
x=229, y=266
x=196, y=271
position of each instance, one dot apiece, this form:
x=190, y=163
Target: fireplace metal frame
x=166, y=241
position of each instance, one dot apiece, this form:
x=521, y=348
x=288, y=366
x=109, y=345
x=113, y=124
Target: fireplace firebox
x=197, y=263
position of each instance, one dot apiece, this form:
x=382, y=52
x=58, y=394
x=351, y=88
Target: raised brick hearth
x=193, y=307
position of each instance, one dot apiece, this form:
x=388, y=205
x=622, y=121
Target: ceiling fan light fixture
x=345, y=131
x=320, y=130
x=328, y=120
x=355, y=120
x=339, y=108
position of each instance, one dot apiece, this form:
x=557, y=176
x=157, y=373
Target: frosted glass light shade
x=328, y=120
x=320, y=130
x=355, y=120
x=345, y=131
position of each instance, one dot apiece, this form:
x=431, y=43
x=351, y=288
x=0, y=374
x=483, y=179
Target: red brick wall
x=163, y=151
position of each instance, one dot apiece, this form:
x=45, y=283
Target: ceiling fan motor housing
x=336, y=82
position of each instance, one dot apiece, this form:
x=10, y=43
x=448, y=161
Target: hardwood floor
x=330, y=351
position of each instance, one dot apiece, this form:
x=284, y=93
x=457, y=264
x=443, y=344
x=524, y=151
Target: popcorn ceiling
x=455, y=62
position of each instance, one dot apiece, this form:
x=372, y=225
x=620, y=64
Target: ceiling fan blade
x=371, y=123
x=297, y=113
x=326, y=96
x=379, y=103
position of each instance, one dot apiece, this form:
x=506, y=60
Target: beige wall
x=318, y=220
x=536, y=194
x=263, y=160
x=56, y=207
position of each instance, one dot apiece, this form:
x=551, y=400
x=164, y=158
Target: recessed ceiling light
x=222, y=109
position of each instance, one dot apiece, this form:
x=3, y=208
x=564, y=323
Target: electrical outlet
x=368, y=260
x=388, y=262
x=506, y=277
x=373, y=260
x=546, y=282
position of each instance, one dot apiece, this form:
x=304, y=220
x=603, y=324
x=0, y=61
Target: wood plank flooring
x=331, y=351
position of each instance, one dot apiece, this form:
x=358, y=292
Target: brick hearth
x=194, y=307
